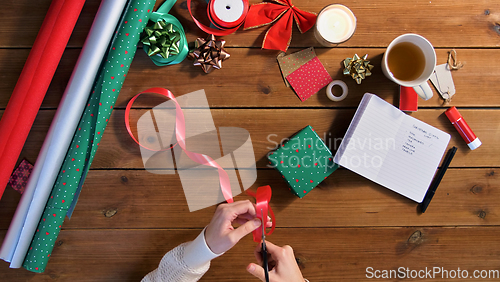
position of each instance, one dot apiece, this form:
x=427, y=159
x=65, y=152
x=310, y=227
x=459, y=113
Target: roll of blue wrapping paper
x=64, y=124
x=89, y=133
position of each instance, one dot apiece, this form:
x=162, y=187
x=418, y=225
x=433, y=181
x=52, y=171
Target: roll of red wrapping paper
x=34, y=81
x=225, y=24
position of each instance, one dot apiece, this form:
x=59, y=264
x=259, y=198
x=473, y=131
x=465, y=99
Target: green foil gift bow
x=358, y=68
x=164, y=38
x=161, y=38
x=89, y=133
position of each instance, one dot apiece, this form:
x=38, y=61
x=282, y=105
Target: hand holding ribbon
x=281, y=13
x=262, y=198
x=164, y=38
x=220, y=234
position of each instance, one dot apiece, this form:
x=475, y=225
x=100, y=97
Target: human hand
x=282, y=264
x=220, y=234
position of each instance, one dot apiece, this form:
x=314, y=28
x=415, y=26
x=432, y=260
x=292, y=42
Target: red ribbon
x=180, y=134
x=262, y=198
x=223, y=28
x=281, y=13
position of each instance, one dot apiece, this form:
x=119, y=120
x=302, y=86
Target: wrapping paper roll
x=61, y=131
x=89, y=133
x=34, y=81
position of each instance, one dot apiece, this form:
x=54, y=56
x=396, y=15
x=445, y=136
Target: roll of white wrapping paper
x=60, y=134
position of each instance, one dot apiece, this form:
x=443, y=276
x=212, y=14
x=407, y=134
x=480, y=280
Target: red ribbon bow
x=262, y=198
x=281, y=13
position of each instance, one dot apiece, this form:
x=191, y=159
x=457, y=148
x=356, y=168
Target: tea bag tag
x=443, y=81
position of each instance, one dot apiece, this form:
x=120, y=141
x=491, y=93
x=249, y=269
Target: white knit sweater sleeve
x=187, y=262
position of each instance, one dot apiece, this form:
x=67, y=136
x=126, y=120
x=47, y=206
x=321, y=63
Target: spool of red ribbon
x=226, y=15
x=262, y=199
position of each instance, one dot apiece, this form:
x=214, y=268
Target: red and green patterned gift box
x=304, y=161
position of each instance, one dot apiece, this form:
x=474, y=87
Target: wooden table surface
x=127, y=218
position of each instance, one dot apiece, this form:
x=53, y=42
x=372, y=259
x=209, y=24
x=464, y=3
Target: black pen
x=437, y=180
x=264, y=250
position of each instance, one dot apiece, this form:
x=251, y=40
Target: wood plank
x=128, y=199
x=117, y=150
x=378, y=23
x=21, y=21
x=262, y=84
x=273, y=125
x=445, y=23
x=335, y=254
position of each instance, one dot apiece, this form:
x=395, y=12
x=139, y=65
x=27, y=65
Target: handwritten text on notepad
x=417, y=138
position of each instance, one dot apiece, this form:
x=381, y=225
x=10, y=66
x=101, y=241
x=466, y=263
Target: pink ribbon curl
x=180, y=134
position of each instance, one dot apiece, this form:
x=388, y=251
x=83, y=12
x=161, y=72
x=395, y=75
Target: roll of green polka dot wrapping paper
x=304, y=161
x=89, y=133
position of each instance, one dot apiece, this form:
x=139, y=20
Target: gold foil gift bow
x=358, y=68
x=209, y=53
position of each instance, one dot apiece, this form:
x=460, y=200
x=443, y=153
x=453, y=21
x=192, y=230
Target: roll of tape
x=330, y=94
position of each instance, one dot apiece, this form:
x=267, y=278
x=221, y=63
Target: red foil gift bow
x=262, y=198
x=281, y=13
x=180, y=133
x=223, y=28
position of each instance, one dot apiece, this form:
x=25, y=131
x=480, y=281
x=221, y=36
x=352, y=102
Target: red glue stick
x=463, y=128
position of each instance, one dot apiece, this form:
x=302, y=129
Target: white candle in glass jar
x=335, y=24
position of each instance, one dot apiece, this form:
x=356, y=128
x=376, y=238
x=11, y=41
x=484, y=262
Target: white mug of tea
x=409, y=61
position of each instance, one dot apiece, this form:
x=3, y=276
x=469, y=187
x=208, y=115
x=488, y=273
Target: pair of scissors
x=264, y=249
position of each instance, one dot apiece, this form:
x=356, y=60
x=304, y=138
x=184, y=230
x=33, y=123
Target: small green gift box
x=304, y=161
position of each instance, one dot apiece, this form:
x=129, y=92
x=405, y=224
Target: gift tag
x=443, y=81
x=292, y=62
